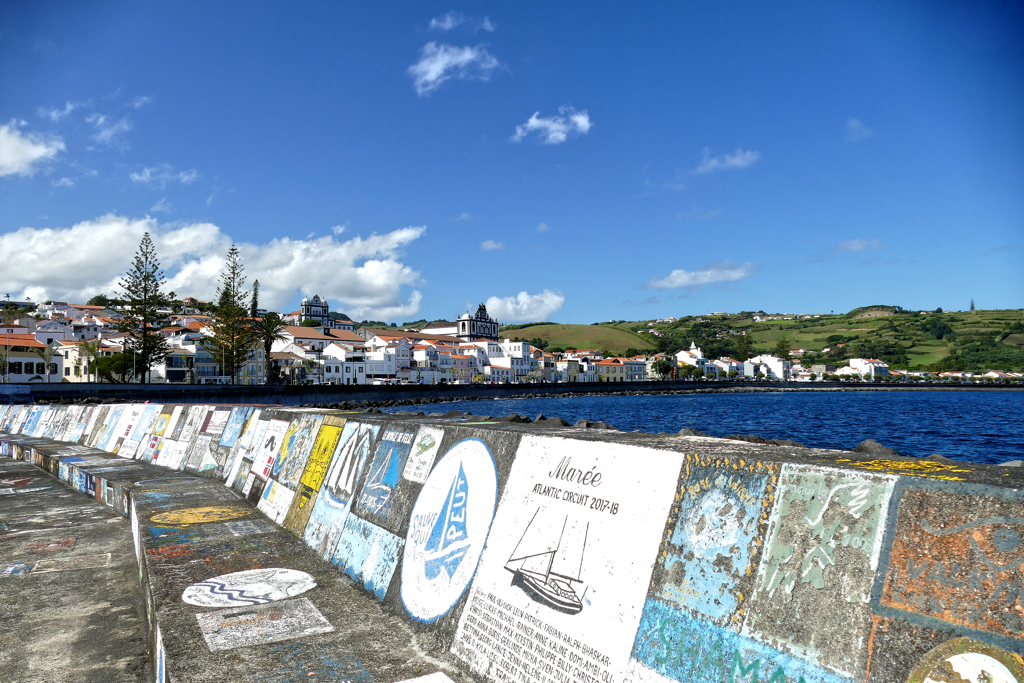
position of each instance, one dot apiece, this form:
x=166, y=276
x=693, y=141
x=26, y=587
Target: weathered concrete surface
x=431, y=541
x=71, y=607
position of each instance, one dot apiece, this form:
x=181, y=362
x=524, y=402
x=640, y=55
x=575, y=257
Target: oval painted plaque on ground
x=251, y=587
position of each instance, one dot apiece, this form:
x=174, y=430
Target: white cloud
x=439, y=63
x=465, y=217
x=525, y=307
x=159, y=176
x=56, y=115
x=859, y=245
x=447, y=22
x=64, y=182
x=709, y=274
x=141, y=101
x=487, y=25
x=161, y=206
x=363, y=277
x=108, y=132
x=855, y=130
x=555, y=130
x=20, y=153
x=490, y=245
x=543, y=227
x=741, y=159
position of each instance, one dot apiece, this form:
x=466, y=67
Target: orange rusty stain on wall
x=959, y=558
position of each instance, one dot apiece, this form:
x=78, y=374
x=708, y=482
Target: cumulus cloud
x=22, y=153
x=555, y=130
x=108, y=131
x=859, y=245
x=159, y=176
x=363, y=277
x=709, y=274
x=524, y=306
x=855, y=130
x=490, y=245
x=740, y=159
x=439, y=63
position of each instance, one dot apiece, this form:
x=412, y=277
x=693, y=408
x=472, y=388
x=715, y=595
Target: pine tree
x=233, y=335
x=743, y=350
x=143, y=299
x=254, y=309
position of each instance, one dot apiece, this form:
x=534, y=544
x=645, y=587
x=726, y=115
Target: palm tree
x=46, y=354
x=91, y=351
x=269, y=329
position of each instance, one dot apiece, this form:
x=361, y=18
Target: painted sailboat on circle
x=547, y=563
x=449, y=541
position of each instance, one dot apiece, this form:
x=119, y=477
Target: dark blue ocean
x=980, y=426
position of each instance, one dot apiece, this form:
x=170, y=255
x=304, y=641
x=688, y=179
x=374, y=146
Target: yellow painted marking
x=215, y=513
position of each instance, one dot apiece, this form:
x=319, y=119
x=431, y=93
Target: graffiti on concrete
x=382, y=479
x=252, y=587
x=368, y=554
x=962, y=565
x=712, y=543
x=912, y=468
x=201, y=515
x=447, y=530
x=227, y=629
x=312, y=477
x=424, y=451
x=822, y=548
x=965, y=660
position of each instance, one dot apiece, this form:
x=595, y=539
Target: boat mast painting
x=449, y=542
x=548, y=560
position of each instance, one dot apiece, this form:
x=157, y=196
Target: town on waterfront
x=145, y=335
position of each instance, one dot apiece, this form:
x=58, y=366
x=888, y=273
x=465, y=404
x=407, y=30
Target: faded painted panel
x=958, y=557
x=226, y=629
x=276, y=500
x=822, y=551
x=424, y=450
x=336, y=494
x=263, y=463
x=295, y=447
x=673, y=645
x=368, y=554
x=313, y=477
x=234, y=425
x=713, y=537
x=570, y=553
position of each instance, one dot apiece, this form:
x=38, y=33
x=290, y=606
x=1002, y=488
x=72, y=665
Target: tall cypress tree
x=233, y=336
x=254, y=309
x=143, y=299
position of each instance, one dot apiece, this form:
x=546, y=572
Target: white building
x=772, y=367
x=869, y=367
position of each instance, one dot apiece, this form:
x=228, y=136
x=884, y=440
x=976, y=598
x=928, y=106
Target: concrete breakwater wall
x=405, y=393
x=553, y=554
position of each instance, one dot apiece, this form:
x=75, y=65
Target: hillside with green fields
x=962, y=340
x=555, y=336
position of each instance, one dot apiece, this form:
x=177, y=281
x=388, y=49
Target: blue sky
x=561, y=161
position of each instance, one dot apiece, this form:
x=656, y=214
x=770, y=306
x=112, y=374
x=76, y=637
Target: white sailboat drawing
x=548, y=561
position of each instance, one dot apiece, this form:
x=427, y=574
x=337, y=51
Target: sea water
x=979, y=426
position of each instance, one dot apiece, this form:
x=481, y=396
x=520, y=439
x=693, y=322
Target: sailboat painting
x=447, y=530
x=379, y=489
x=335, y=496
x=547, y=563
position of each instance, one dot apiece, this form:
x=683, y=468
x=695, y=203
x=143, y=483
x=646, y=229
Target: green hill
x=601, y=337
x=962, y=340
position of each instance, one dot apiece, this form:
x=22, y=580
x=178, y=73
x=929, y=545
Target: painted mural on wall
x=571, y=551
x=227, y=629
x=263, y=463
x=712, y=545
x=295, y=448
x=424, y=451
x=336, y=494
x=250, y=587
x=368, y=554
x=958, y=556
x=448, y=529
x=965, y=660
x=822, y=548
x=312, y=477
x=233, y=428
x=240, y=448
x=382, y=477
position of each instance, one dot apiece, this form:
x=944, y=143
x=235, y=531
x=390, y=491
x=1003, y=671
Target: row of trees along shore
x=237, y=329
